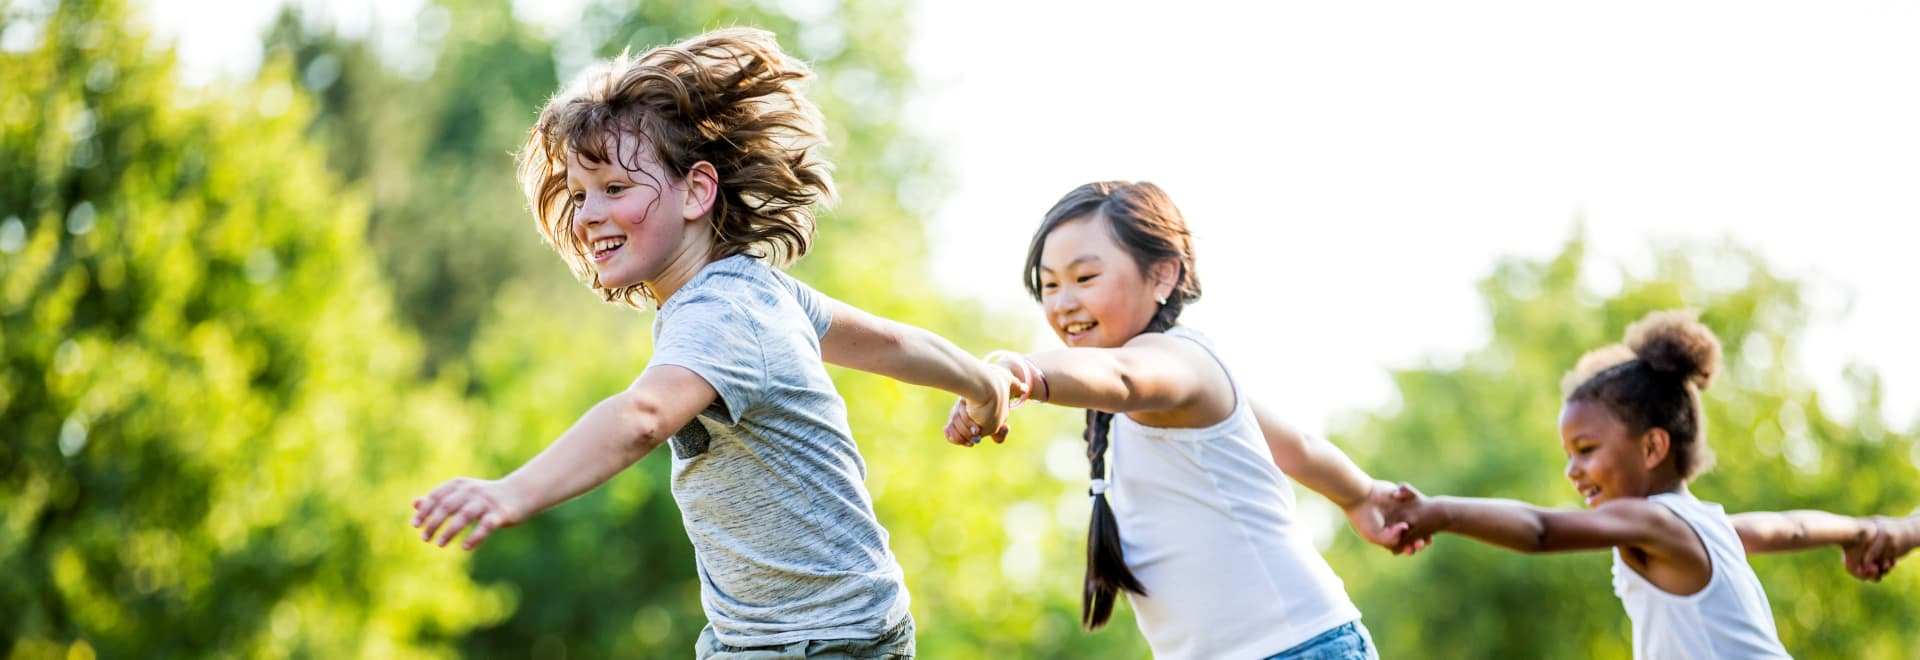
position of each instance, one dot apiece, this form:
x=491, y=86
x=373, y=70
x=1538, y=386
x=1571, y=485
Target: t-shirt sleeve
x=714, y=338
x=817, y=306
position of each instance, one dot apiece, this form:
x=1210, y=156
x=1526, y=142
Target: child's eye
x=1584, y=450
x=578, y=198
x=1083, y=278
x=615, y=188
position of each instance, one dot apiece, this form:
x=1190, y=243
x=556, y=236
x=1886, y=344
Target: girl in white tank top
x=1192, y=508
x=1632, y=430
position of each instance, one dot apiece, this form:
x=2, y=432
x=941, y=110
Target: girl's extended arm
x=859, y=340
x=1151, y=372
x=1313, y=461
x=1770, y=531
x=1322, y=467
x=1527, y=528
x=612, y=435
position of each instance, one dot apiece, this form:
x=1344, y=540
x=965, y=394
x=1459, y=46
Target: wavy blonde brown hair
x=728, y=97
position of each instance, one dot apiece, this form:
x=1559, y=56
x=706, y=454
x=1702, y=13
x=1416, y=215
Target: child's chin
x=616, y=280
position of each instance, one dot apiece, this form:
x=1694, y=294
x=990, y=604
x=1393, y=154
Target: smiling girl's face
x=1605, y=461
x=1091, y=289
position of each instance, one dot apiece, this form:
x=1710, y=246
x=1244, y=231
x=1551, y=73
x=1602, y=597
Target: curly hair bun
x=1676, y=342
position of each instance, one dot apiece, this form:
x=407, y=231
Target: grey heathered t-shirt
x=769, y=482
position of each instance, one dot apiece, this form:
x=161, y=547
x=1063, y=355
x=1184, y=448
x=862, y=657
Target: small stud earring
x=1161, y=300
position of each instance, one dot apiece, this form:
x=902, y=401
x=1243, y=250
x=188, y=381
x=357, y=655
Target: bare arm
x=1768, y=531
x=614, y=434
x=1323, y=468
x=859, y=340
x=1313, y=461
x=1530, y=529
x=1152, y=372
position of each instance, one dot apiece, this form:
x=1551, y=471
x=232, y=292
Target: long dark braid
x=1107, y=571
x=1145, y=222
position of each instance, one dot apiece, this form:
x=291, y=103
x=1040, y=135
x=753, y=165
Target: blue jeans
x=1347, y=641
x=895, y=643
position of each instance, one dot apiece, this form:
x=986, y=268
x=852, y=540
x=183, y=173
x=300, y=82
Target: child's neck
x=693, y=256
x=1667, y=485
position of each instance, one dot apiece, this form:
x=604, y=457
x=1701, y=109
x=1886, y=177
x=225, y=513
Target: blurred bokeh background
x=260, y=288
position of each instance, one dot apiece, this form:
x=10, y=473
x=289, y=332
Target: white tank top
x=1207, y=525
x=1727, y=619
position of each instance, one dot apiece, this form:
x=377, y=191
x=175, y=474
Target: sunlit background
x=265, y=275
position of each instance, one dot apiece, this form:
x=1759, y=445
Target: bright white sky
x=1352, y=169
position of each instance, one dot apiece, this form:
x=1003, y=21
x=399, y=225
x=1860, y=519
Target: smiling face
x=1605, y=460
x=1092, y=290
x=629, y=213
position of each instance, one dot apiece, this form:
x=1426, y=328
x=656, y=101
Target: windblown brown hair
x=1146, y=224
x=1654, y=380
x=728, y=97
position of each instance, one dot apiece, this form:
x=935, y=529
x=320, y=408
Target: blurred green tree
x=208, y=406
x=1485, y=424
x=429, y=138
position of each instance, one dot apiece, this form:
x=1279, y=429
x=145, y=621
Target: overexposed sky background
x=1353, y=169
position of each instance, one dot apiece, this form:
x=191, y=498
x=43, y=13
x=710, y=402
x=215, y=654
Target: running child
x=1634, y=434
x=1193, y=512
x=685, y=177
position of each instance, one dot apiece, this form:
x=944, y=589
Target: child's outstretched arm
x=1788, y=531
x=614, y=434
x=1151, y=372
x=1526, y=528
x=1322, y=467
x=909, y=354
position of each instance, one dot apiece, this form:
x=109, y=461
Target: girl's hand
x=1414, y=514
x=969, y=418
x=450, y=508
x=1891, y=538
x=1369, y=517
x=962, y=429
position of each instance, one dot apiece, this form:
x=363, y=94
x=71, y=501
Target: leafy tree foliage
x=209, y=409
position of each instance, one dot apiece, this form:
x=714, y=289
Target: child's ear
x=703, y=187
x=1165, y=276
x=1654, y=446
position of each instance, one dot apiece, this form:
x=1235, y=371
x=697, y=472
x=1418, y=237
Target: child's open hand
x=450, y=508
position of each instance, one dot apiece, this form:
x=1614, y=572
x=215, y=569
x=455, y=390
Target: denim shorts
x=896, y=643
x=1347, y=641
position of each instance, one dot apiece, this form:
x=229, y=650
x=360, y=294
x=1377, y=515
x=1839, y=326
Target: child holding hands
x=1634, y=435
x=684, y=177
x=1194, y=473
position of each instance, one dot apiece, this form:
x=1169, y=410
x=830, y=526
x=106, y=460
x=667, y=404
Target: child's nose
x=587, y=216
x=1573, y=469
x=1062, y=301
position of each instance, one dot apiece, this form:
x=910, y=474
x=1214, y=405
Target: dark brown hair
x=1144, y=222
x=1654, y=380
x=728, y=97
